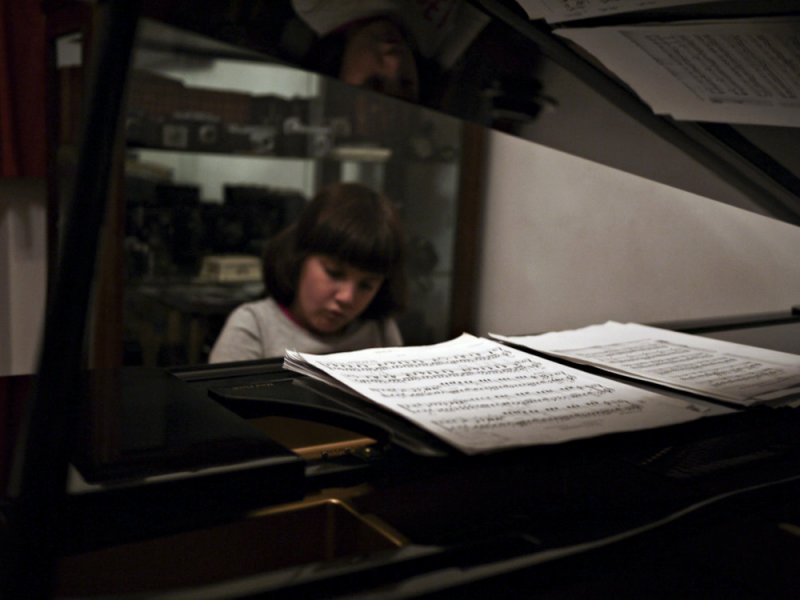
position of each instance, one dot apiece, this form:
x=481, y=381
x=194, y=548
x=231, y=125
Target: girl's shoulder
x=260, y=313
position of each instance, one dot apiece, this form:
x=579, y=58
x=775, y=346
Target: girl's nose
x=390, y=62
x=345, y=292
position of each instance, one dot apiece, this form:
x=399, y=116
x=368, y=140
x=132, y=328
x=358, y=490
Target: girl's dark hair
x=349, y=222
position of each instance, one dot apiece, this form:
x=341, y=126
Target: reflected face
x=331, y=294
x=378, y=57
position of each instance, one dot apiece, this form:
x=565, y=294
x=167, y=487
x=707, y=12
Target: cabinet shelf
x=215, y=152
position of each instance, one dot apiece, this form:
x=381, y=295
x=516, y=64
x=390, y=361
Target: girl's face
x=378, y=57
x=331, y=293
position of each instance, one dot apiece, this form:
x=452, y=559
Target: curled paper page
x=556, y=11
x=726, y=371
x=479, y=395
x=728, y=71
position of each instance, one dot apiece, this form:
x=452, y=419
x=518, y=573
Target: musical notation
x=479, y=395
x=722, y=370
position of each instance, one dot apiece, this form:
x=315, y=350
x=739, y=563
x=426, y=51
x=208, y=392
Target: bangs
x=357, y=242
x=354, y=224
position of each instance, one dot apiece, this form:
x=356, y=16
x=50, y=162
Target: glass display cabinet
x=224, y=147
x=221, y=148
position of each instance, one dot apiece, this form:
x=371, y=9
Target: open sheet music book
x=478, y=395
x=726, y=371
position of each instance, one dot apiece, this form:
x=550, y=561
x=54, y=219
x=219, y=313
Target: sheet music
x=718, y=369
x=555, y=11
x=479, y=395
x=729, y=71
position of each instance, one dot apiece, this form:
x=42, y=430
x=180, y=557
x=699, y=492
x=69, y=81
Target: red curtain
x=22, y=89
x=22, y=150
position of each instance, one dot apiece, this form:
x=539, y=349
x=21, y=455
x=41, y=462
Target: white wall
x=568, y=242
x=23, y=267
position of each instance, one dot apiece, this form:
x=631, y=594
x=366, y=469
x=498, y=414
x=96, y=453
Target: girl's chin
x=329, y=326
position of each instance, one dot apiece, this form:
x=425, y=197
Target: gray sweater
x=260, y=329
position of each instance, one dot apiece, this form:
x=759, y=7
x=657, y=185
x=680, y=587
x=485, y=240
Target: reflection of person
x=333, y=279
x=379, y=44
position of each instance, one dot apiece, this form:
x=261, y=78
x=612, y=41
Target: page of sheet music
x=730, y=71
x=554, y=11
x=479, y=395
x=718, y=369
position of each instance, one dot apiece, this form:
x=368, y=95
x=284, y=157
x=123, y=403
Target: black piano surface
x=709, y=508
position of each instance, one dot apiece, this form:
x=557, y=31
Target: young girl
x=333, y=281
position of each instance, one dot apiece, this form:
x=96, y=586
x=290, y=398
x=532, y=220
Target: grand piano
x=228, y=481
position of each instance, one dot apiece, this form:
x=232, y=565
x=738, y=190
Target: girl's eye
x=334, y=273
x=368, y=286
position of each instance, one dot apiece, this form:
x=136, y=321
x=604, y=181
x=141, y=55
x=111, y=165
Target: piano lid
x=526, y=68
